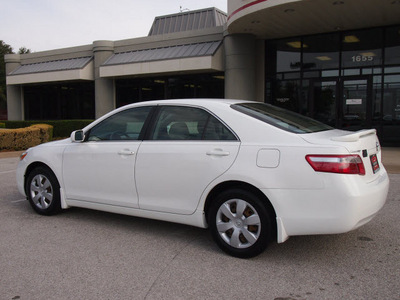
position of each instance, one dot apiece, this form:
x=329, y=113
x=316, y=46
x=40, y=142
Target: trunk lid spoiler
x=354, y=137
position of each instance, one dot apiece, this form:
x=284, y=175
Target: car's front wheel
x=240, y=223
x=43, y=191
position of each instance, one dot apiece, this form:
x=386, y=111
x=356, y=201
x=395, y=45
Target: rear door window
x=189, y=123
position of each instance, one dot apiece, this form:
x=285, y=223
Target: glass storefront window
x=392, y=47
x=371, y=71
x=389, y=70
x=391, y=104
x=174, y=87
x=59, y=101
x=377, y=100
x=346, y=79
x=321, y=52
x=351, y=72
x=391, y=108
x=285, y=55
x=362, y=48
x=321, y=104
x=287, y=94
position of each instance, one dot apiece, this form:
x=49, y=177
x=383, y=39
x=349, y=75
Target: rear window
x=281, y=118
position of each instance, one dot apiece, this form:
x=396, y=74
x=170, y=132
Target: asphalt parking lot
x=83, y=254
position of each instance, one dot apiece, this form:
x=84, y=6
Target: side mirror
x=77, y=136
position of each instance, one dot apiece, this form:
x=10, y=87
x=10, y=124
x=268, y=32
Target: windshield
x=281, y=118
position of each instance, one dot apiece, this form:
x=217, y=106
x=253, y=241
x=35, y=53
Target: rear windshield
x=281, y=118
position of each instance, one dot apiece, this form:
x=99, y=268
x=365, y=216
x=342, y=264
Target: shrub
x=24, y=138
x=2, y=125
x=62, y=128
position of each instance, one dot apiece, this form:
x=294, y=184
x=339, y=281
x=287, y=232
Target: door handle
x=126, y=152
x=217, y=152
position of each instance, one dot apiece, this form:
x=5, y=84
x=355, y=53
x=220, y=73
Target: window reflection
x=391, y=108
x=322, y=52
x=174, y=87
x=392, y=50
x=362, y=48
x=59, y=101
x=313, y=75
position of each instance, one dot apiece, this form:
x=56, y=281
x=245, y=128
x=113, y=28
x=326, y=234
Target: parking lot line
x=6, y=172
x=17, y=201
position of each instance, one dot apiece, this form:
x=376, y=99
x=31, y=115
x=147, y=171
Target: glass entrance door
x=342, y=102
x=322, y=101
x=355, y=108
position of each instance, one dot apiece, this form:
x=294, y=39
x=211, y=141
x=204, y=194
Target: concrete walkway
x=390, y=158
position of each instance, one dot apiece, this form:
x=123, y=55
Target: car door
x=187, y=149
x=101, y=169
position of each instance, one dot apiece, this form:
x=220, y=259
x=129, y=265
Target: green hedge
x=24, y=138
x=62, y=128
x=2, y=125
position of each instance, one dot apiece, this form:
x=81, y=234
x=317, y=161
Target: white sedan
x=249, y=171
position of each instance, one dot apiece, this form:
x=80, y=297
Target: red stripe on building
x=246, y=6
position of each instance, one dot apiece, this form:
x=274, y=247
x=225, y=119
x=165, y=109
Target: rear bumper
x=345, y=204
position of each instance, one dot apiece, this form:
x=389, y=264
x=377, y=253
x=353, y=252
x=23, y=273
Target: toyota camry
x=250, y=172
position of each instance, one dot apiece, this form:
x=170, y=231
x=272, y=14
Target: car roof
x=192, y=101
x=207, y=103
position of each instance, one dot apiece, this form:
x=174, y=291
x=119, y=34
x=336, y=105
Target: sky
x=41, y=25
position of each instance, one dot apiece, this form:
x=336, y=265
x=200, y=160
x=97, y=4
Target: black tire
x=43, y=191
x=240, y=223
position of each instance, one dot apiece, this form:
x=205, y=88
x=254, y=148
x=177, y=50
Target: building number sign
x=361, y=58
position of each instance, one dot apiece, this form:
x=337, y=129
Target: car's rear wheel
x=240, y=223
x=43, y=191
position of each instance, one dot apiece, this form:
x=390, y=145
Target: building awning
x=190, y=57
x=281, y=19
x=58, y=70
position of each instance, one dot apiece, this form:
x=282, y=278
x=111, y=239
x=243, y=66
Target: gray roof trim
x=186, y=21
x=52, y=66
x=166, y=53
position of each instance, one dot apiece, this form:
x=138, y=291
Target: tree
x=4, y=49
x=24, y=50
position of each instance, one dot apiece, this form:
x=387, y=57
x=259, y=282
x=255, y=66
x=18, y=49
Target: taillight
x=344, y=164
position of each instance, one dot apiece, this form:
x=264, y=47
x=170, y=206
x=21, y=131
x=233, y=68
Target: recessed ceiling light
x=323, y=58
x=368, y=54
x=289, y=10
x=351, y=39
x=296, y=44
